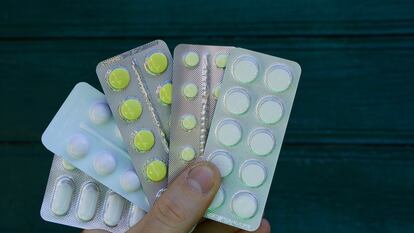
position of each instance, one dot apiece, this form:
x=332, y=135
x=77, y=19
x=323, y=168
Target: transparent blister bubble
x=248, y=126
x=137, y=85
x=197, y=77
x=84, y=133
x=75, y=199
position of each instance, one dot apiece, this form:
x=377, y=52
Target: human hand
x=184, y=203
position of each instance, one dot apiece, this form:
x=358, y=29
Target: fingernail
x=200, y=178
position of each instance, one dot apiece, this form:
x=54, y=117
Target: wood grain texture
x=316, y=189
x=105, y=18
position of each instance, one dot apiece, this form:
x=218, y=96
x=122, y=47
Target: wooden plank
x=102, y=18
x=351, y=90
x=331, y=188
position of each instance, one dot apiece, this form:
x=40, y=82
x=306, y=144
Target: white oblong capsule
x=135, y=215
x=88, y=201
x=114, y=206
x=62, y=196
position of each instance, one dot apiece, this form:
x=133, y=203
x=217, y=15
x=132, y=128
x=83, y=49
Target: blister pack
x=84, y=133
x=197, y=76
x=137, y=86
x=73, y=198
x=247, y=132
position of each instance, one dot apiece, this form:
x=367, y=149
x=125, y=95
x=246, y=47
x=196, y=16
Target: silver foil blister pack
x=137, y=86
x=75, y=199
x=197, y=76
x=247, y=132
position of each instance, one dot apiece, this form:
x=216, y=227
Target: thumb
x=185, y=201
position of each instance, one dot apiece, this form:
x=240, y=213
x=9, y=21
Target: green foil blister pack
x=247, y=132
x=75, y=199
x=197, y=76
x=137, y=86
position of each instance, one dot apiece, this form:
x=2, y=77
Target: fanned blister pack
x=84, y=133
x=137, y=86
x=74, y=199
x=197, y=76
x=247, y=132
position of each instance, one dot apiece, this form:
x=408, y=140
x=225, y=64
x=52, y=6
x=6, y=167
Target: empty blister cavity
x=244, y=205
x=62, y=196
x=278, y=78
x=135, y=215
x=130, y=181
x=245, y=69
x=100, y=113
x=78, y=146
x=144, y=140
x=165, y=93
x=253, y=173
x=187, y=153
x=104, y=163
x=228, y=132
x=130, y=110
x=269, y=110
x=188, y=122
x=223, y=161
x=156, y=63
x=218, y=200
x=88, y=201
x=237, y=100
x=118, y=79
x=190, y=90
x=114, y=205
x=261, y=142
x=191, y=59
x=156, y=170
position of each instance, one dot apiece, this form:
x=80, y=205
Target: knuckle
x=169, y=212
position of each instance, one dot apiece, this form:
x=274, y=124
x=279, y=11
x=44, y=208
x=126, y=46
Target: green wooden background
x=347, y=164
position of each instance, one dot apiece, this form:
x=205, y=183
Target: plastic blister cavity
x=197, y=77
x=75, y=199
x=137, y=86
x=247, y=132
x=85, y=134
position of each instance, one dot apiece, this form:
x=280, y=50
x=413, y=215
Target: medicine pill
x=114, y=206
x=144, y=140
x=68, y=166
x=229, y=132
x=88, y=202
x=278, y=79
x=135, y=215
x=223, y=161
x=244, y=205
x=190, y=90
x=221, y=60
x=62, y=196
x=157, y=63
x=189, y=122
x=191, y=59
x=188, y=153
x=78, y=146
x=100, y=113
x=218, y=200
x=130, y=181
x=165, y=93
x=130, y=109
x=118, y=79
x=253, y=173
x=270, y=110
x=156, y=170
x=261, y=142
x=237, y=101
x=104, y=163
x=245, y=70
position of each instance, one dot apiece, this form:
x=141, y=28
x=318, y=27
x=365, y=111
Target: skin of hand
x=184, y=203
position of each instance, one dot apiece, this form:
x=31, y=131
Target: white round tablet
x=223, y=161
x=228, y=132
x=261, y=142
x=104, y=163
x=244, y=205
x=278, y=78
x=218, y=200
x=270, y=111
x=78, y=146
x=245, y=69
x=130, y=181
x=99, y=113
x=253, y=173
x=237, y=101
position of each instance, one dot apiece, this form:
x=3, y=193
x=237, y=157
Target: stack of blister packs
x=115, y=153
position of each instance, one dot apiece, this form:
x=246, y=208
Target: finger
x=209, y=226
x=185, y=201
x=263, y=228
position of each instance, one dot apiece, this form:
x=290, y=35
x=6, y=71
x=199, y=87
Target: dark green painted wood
x=316, y=189
x=143, y=18
x=349, y=91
